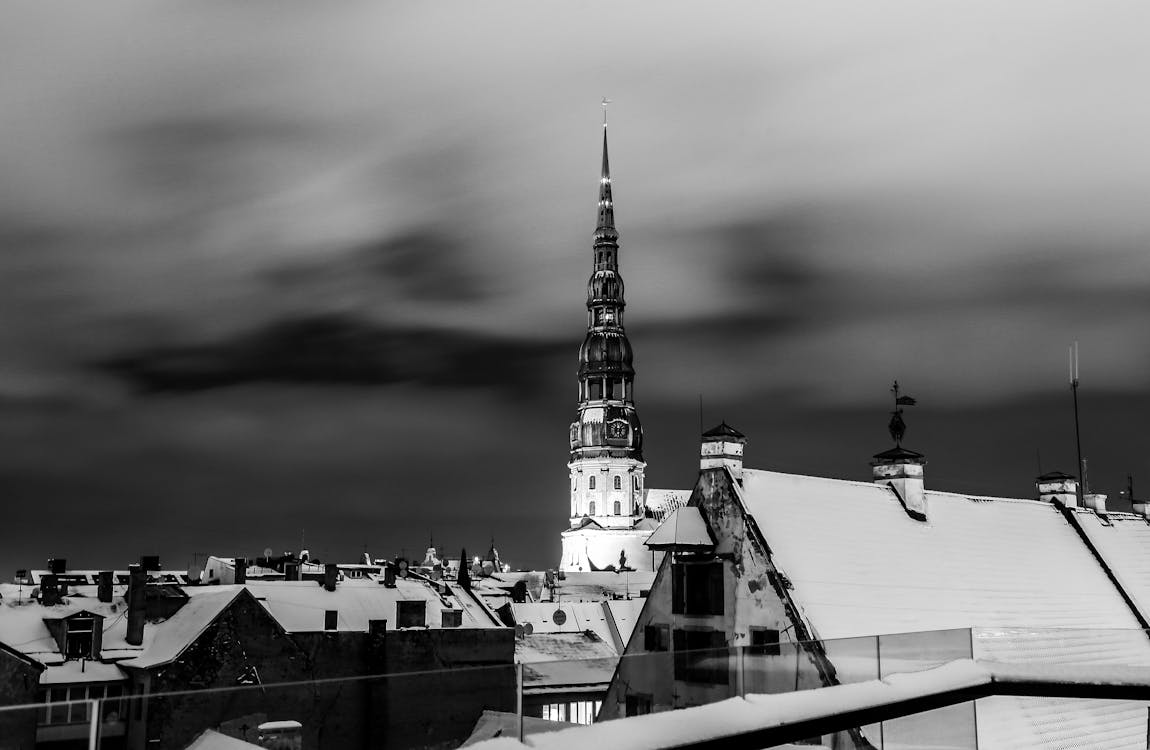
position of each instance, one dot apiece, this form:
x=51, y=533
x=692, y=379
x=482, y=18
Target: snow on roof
x=685, y=529
x=661, y=503
x=76, y=671
x=596, y=586
x=1013, y=569
x=22, y=624
x=578, y=617
x=1123, y=541
x=210, y=739
x=506, y=724
x=299, y=606
x=164, y=641
x=861, y=566
x=565, y=660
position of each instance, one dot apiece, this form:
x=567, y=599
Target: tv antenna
x=1077, y=434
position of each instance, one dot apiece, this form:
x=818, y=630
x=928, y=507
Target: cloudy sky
x=284, y=271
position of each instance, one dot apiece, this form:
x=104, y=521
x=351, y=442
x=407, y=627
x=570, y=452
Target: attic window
x=80, y=638
x=697, y=588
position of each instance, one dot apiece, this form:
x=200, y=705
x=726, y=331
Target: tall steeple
x=606, y=439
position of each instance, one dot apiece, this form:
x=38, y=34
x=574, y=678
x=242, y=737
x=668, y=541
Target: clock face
x=617, y=430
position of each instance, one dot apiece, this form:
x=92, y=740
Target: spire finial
x=606, y=204
x=897, y=426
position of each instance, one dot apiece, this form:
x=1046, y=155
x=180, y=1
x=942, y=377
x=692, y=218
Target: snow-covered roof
x=661, y=503
x=77, y=671
x=601, y=618
x=595, y=586
x=1013, y=569
x=493, y=724
x=210, y=739
x=861, y=566
x=300, y=606
x=685, y=529
x=164, y=641
x=554, y=661
x=1123, y=542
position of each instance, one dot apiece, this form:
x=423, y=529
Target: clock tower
x=606, y=460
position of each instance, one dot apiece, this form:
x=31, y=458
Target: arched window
x=591, y=482
x=618, y=507
x=618, y=482
x=635, y=481
x=591, y=508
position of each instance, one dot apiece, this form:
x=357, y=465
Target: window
x=596, y=387
x=638, y=705
x=765, y=642
x=79, y=638
x=611, y=386
x=635, y=483
x=618, y=482
x=701, y=656
x=656, y=638
x=591, y=505
x=576, y=712
x=591, y=482
x=697, y=588
x=618, y=506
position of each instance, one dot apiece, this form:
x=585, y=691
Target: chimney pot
x=49, y=590
x=137, y=604
x=901, y=470
x=1059, y=488
x=723, y=446
x=104, y=586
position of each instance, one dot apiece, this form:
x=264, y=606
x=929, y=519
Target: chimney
x=1058, y=488
x=241, y=564
x=137, y=605
x=1142, y=509
x=330, y=573
x=150, y=563
x=57, y=565
x=1095, y=502
x=49, y=590
x=291, y=571
x=389, y=575
x=104, y=586
x=723, y=446
x=902, y=470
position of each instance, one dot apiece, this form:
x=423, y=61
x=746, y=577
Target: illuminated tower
x=606, y=439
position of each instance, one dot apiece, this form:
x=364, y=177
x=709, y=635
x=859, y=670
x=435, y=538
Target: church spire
x=605, y=227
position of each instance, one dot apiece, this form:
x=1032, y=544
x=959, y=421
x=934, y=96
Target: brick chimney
x=291, y=571
x=902, y=470
x=1095, y=502
x=241, y=569
x=330, y=574
x=1059, y=488
x=104, y=586
x=723, y=446
x=137, y=604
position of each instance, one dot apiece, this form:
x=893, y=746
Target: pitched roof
x=724, y=430
x=565, y=660
x=1123, y=542
x=299, y=606
x=684, y=530
x=165, y=641
x=1014, y=569
x=601, y=618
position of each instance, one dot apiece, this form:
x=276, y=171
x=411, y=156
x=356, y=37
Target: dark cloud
x=339, y=350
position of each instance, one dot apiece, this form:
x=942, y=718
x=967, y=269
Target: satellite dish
x=518, y=630
x=559, y=617
x=268, y=553
x=528, y=628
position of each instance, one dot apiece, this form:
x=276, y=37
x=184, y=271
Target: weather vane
x=897, y=427
x=605, y=102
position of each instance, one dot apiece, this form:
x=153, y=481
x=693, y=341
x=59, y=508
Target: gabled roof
x=609, y=620
x=1123, y=542
x=685, y=531
x=164, y=642
x=565, y=660
x=1014, y=569
x=299, y=606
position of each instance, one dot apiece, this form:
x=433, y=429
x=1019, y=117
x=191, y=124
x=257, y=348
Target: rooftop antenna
x=1077, y=435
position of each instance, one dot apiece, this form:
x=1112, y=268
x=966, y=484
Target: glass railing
x=446, y=708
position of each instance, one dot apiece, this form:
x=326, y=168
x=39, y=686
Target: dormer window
x=80, y=638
